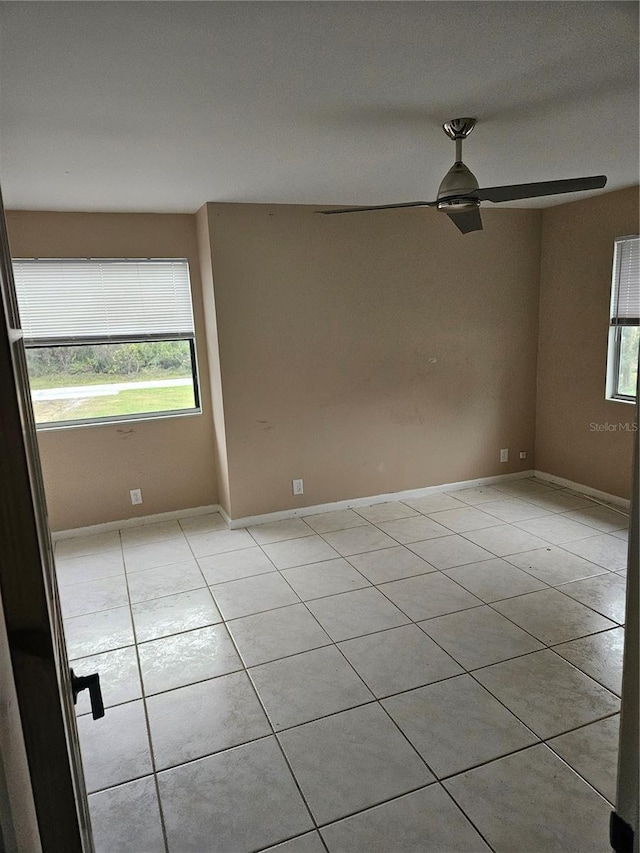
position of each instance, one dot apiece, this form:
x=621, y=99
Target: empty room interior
x=339, y=504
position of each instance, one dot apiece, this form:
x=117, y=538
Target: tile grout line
x=471, y=672
x=482, y=686
x=489, y=604
x=375, y=701
x=506, y=559
x=438, y=779
x=434, y=784
x=604, y=570
x=335, y=643
x=584, y=779
x=359, y=637
x=413, y=622
x=314, y=831
x=155, y=770
x=462, y=534
x=493, y=759
x=268, y=719
x=146, y=714
x=462, y=811
x=514, y=523
x=540, y=741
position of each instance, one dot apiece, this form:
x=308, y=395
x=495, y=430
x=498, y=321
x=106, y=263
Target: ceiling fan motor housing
x=456, y=185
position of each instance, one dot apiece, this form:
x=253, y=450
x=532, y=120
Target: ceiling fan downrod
x=459, y=181
x=458, y=129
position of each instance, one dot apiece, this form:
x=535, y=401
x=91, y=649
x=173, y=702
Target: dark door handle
x=92, y=683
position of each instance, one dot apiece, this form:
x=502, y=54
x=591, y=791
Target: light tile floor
x=437, y=675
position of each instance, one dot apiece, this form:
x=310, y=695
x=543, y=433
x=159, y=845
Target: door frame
x=624, y=827
x=31, y=607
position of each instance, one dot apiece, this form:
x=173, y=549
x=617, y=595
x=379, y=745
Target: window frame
x=614, y=345
x=96, y=340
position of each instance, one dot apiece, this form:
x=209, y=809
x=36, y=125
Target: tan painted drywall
x=89, y=471
x=211, y=325
x=366, y=354
x=374, y=352
x=575, y=288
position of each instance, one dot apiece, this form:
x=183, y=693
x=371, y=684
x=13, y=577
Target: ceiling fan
x=459, y=195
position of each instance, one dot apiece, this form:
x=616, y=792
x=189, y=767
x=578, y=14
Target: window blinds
x=625, y=290
x=73, y=301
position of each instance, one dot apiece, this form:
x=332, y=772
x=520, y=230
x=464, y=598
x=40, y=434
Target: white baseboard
x=107, y=526
x=604, y=497
x=250, y=520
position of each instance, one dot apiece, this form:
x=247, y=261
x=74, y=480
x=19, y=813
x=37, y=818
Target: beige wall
x=89, y=471
x=575, y=288
x=366, y=354
x=372, y=353
x=211, y=324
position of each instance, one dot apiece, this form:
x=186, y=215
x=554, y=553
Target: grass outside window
x=104, y=382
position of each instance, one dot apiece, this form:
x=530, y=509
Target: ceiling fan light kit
x=459, y=194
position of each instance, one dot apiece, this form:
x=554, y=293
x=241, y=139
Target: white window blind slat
x=625, y=291
x=106, y=299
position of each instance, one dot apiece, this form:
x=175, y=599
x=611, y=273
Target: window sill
x=115, y=422
x=620, y=400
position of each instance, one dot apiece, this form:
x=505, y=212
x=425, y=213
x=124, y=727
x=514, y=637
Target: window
x=107, y=340
x=624, y=330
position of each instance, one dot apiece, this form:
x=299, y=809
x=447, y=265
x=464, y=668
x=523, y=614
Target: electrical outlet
x=504, y=454
x=298, y=487
x=523, y=454
x=136, y=496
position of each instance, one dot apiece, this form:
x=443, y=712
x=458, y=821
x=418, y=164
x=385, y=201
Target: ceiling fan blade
x=380, y=207
x=469, y=220
x=515, y=191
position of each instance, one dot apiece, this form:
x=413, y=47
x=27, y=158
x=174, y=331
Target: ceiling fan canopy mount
x=459, y=194
x=459, y=128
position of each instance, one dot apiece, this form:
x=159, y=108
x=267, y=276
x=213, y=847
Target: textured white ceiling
x=161, y=106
